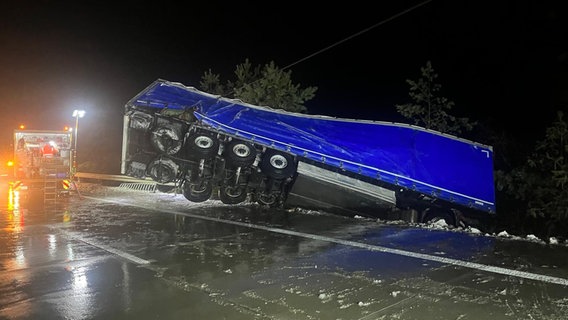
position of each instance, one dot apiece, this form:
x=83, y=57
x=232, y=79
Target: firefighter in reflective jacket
x=49, y=150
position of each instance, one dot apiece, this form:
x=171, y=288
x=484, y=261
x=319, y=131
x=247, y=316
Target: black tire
x=166, y=140
x=163, y=170
x=197, y=192
x=277, y=164
x=267, y=199
x=141, y=121
x=232, y=194
x=239, y=153
x=201, y=145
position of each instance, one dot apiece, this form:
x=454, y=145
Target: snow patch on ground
x=441, y=225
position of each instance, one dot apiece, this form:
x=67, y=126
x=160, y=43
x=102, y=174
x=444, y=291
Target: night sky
x=503, y=63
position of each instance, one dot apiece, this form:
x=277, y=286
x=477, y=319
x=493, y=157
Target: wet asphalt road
x=114, y=253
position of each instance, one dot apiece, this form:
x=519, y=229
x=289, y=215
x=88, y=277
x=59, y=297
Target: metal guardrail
x=123, y=182
x=111, y=177
x=138, y=186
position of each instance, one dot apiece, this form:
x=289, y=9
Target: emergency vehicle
x=43, y=161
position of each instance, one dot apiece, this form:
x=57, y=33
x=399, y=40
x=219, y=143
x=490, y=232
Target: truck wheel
x=277, y=165
x=163, y=170
x=267, y=199
x=240, y=153
x=201, y=145
x=232, y=194
x=166, y=140
x=141, y=121
x=197, y=192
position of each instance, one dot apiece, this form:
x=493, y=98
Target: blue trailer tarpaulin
x=436, y=164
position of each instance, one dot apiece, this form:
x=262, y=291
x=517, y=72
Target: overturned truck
x=207, y=146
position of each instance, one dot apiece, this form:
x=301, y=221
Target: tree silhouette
x=430, y=110
x=265, y=85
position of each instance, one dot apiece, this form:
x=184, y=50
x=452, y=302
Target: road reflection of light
x=16, y=260
x=79, y=279
x=70, y=253
x=15, y=216
x=16, y=225
x=52, y=244
x=20, y=258
x=78, y=306
x=12, y=196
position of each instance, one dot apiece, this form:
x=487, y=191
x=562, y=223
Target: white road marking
x=122, y=254
x=461, y=263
